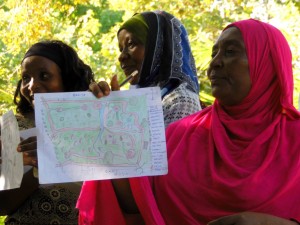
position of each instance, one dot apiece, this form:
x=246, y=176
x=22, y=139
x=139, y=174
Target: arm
x=121, y=186
x=10, y=200
x=252, y=218
x=125, y=196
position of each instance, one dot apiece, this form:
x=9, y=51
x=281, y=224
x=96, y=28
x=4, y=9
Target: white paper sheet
x=12, y=161
x=24, y=134
x=83, y=138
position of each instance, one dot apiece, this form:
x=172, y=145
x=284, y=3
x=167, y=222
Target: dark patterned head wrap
x=137, y=26
x=52, y=52
x=168, y=58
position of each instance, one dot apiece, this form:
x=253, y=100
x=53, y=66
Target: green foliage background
x=90, y=27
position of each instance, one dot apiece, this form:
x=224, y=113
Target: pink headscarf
x=271, y=94
x=246, y=158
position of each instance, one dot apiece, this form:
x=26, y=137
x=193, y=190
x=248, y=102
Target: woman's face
x=132, y=54
x=228, y=71
x=40, y=75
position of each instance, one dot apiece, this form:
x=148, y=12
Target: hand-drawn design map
x=84, y=138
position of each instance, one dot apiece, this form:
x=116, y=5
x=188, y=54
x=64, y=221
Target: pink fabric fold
x=98, y=204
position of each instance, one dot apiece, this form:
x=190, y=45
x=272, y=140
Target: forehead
x=38, y=62
x=231, y=35
x=124, y=34
x=36, y=59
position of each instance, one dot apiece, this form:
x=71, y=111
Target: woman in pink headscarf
x=238, y=161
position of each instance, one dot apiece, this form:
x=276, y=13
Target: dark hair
x=76, y=75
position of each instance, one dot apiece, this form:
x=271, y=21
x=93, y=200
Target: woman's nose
x=216, y=61
x=123, y=55
x=32, y=85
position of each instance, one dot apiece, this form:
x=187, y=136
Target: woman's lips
x=214, y=80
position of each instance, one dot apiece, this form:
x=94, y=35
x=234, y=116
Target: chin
x=215, y=93
x=220, y=98
x=135, y=80
x=133, y=83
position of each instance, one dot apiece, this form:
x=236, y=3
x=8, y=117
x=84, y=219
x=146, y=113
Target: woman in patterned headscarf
x=235, y=162
x=156, y=45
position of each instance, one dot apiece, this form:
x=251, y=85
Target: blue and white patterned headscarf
x=168, y=58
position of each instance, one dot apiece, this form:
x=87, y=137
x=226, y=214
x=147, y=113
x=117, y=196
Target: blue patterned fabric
x=168, y=58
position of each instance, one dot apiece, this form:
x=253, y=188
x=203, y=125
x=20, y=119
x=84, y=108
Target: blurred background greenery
x=90, y=27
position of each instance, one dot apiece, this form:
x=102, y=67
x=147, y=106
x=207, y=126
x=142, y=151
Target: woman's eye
x=44, y=76
x=131, y=44
x=25, y=79
x=229, y=52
